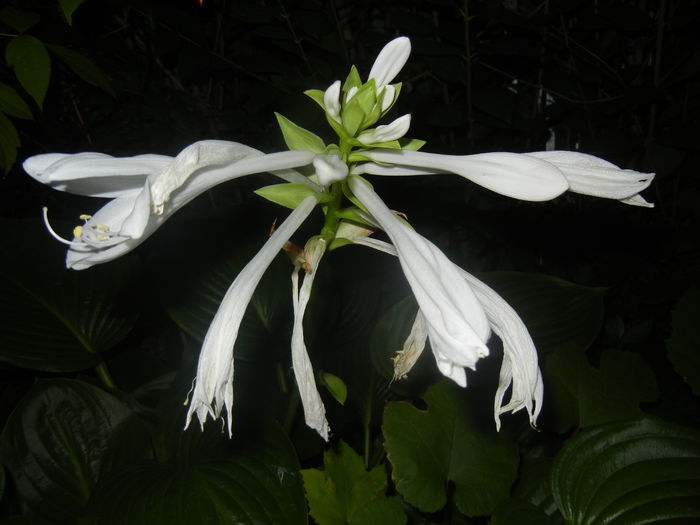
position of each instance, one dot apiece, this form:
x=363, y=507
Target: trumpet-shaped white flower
x=457, y=326
x=213, y=390
x=147, y=189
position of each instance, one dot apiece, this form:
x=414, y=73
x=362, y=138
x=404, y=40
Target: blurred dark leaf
x=32, y=65
x=684, y=343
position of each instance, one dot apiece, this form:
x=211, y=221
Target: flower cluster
x=457, y=312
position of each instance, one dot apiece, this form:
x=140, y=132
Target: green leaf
x=515, y=510
x=429, y=449
x=83, y=67
x=12, y=104
x=335, y=386
x=54, y=319
x=642, y=471
x=32, y=65
x=253, y=478
x=352, y=116
x=558, y=314
x=411, y=144
x=581, y=395
x=288, y=194
x=353, y=80
x=69, y=7
x=19, y=19
x=9, y=142
x=317, y=96
x=345, y=493
x=684, y=344
x=366, y=96
x=55, y=444
x=298, y=138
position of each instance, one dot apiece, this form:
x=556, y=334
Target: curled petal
x=510, y=174
x=95, y=174
x=213, y=389
x=590, y=175
x=412, y=347
x=314, y=411
x=457, y=325
x=392, y=131
x=390, y=61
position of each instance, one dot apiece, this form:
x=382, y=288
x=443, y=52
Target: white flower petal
x=388, y=96
x=314, y=411
x=126, y=222
x=213, y=390
x=385, y=133
x=95, y=174
x=329, y=168
x=331, y=99
x=510, y=174
x=590, y=175
x=390, y=61
x=457, y=325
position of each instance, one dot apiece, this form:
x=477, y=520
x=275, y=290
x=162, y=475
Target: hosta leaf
x=345, y=493
x=256, y=481
x=32, y=65
x=582, y=395
x=56, y=442
x=558, y=314
x=641, y=471
x=429, y=449
x=54, y=319
x=684, y=344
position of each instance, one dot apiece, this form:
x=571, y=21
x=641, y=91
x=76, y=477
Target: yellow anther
x=102, y=237
x=77, y=231
x=102, y=228
x=85, y=217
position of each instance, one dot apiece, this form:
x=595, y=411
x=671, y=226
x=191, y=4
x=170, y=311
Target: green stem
x=330, y=225
x=105, y=376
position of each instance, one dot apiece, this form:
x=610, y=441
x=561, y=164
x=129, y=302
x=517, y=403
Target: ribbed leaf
x=258, y=482
x=642, y=471
x=55, y=444
x=429, y=449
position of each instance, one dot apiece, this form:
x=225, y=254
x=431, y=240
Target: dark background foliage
x=617, y=79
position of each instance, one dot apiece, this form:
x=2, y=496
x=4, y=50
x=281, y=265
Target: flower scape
x=456, y=312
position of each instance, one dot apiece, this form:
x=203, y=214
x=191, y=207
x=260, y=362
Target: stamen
x=54, y=234
x=102, y=237
x=102, y=227
x=85, y=217
x=77, y=231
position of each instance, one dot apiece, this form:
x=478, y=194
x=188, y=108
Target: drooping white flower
x=457, y=326
x=148, y=189
x=519, y=368
x=213, y=390
x=314, y=411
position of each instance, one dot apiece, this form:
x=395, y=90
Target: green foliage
x=641, y=471
x=684, y=344
x=12, y=104
x=56, y=443
x=69, y=7
x=28, y=57
x=344, y=492
x=289, y=194
x=299, y=138
x=83, y=67
x=429, y=449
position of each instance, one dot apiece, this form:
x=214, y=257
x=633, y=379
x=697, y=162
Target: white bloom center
x=330, y=169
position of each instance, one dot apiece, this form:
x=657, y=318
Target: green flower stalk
x=457, y=312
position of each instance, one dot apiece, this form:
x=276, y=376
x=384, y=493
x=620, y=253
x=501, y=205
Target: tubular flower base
x=457, y=312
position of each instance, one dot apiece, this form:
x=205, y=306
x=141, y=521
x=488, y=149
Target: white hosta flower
x=213, y=390
x=590, y=175
x=457, y=326
x=390, y=61
x=509, y=174
x=519, y=367
x=331, y=100
x=385, y=133
x=147, y=189
x=314, y=411
x=329, y=169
